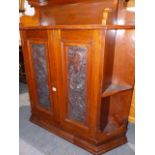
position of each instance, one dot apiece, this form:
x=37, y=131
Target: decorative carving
x=21, y=5
x=40, y=67
x=77, y=64
x=105, y=15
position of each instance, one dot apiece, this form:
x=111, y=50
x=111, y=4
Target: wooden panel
x=36, y=45
x=89, y=40
x=108, y=59
x=68, y=117
x=115, y=89
x=77, y=76
x=124, y=66
x=125, y=17
x=71, y=14
x=37, y=34
x=40, y=69
x=132, y=109
x=38, y=66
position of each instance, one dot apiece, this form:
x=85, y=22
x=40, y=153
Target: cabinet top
x=78, y=12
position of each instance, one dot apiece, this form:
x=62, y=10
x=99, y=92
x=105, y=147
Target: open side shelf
x=115, y=89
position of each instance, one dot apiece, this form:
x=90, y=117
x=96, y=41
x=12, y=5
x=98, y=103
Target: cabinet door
x=40, y=72
x=75, y=51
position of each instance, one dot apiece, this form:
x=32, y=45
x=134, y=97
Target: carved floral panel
x=77, y=70
x=40, y=67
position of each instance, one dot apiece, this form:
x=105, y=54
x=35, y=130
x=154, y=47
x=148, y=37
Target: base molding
x=96, y=150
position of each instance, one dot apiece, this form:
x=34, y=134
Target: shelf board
x=115, y=89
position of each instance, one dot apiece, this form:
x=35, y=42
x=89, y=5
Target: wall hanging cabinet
x=79, y=62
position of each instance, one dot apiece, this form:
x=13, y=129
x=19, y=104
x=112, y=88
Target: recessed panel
x=77, y=71
x=40, y=69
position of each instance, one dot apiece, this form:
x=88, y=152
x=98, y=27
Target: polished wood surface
x=132, y=109
x=73, y=13
x=76, y=33
x=21, y=5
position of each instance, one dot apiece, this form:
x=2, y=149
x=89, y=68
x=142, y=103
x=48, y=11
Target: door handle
x=54, y=89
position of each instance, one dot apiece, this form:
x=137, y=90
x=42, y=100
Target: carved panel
x=40, y=68
x=77, y=70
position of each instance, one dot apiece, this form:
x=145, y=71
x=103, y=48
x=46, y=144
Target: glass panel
x=77, y=64
x=40, y=67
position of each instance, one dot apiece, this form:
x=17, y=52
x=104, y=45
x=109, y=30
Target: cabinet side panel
x=108, y=58
x=124, y=65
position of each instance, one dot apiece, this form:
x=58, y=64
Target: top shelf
x=115, y=89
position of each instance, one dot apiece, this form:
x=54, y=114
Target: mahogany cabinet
x=80, y=70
